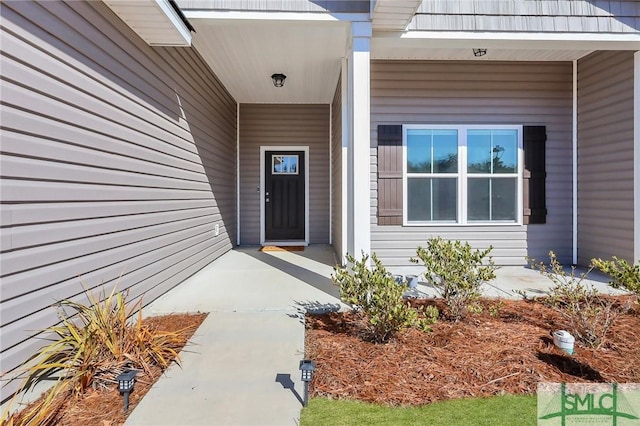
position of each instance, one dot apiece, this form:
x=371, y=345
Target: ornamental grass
x=91, y=345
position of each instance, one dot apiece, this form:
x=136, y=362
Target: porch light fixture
x=278, y=79
x=126, y=381
x=307, y=368
x=479, y=52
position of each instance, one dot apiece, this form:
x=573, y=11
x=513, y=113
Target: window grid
x=463, y=176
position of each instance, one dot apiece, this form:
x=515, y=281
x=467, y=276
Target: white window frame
x=462, y=175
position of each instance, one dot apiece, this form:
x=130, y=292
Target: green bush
x=457, y=272
x=375, y=293
x=589, y=315
x=623, y=274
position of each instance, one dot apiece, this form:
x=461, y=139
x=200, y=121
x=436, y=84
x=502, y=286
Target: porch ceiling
x=244, y=53
x=396, y=47
x=521, y=46
x=380, y=50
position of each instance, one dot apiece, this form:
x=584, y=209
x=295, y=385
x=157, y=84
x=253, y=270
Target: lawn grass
x=495, y=411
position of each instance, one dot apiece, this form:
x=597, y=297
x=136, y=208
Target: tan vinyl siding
x=563, y=16
x=284, y=125
x=118, y=159
x=605, y=156
x=414, y=92
x=336, y=171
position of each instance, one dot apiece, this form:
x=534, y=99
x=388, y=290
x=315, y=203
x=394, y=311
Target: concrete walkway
x=243, y=368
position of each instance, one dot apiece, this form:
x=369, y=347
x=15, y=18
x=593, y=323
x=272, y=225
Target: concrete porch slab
x=243, y=368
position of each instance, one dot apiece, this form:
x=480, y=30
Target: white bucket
x=564, y=340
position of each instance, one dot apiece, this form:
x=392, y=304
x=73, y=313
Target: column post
x=359, y=94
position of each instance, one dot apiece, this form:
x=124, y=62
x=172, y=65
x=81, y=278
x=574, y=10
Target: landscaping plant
x=376, y=294
x=457, y=271
x=589, y=315
x=623, y=274
x=91, y=345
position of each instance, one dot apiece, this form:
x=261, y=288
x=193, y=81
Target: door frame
x=263, y=150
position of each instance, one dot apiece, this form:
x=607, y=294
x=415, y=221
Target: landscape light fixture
x=307, y=367
x=479, y=52
x=278, y=79
x=126, y=381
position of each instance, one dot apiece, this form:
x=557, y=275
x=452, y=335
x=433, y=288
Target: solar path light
x=126, y=381
x=307, y=367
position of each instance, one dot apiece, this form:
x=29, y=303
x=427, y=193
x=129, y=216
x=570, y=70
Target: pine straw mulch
x=483, y=355
x=105, y=407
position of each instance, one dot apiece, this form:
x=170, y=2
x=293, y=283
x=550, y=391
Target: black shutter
x=534, y=175
x=389, y=175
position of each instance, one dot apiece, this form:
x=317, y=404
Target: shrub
x=375, y=293
x=90, y=346
x=457, y=272
x=589, y=315
x=622, y=273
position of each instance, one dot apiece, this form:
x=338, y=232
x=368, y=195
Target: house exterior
x=136, y=151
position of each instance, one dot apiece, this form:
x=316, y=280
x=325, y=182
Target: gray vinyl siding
x=336, y=171
x=117, y=164
x=334, y=6
x=605, y=156
x=423, y=92
x=284, y=125
x=589, y=16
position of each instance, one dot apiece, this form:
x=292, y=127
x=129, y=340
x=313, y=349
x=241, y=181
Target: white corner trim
x=263, y=150
x=238, y=173
x=574, y=167
x=636, y=155
x=331, y=173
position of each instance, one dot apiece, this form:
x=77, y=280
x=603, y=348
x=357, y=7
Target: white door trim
x=263, y=150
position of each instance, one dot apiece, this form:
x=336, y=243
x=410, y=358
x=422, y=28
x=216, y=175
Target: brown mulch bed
x=105, y=407
x=483, y=355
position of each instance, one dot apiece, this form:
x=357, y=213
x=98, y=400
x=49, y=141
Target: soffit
x=393, y=15
x=244, y=54
x=381, y=51
x=155, y=21
x=517, y=46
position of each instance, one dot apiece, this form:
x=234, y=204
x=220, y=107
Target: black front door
x=284, y=195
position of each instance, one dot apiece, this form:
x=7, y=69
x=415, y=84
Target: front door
x=284, y=195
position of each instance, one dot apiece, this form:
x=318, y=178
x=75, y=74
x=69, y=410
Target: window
x=462, y=174
x=284, y=165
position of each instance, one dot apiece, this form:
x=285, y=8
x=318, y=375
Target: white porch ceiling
x=521, y=46
x=381, y=50
x=245, y=53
